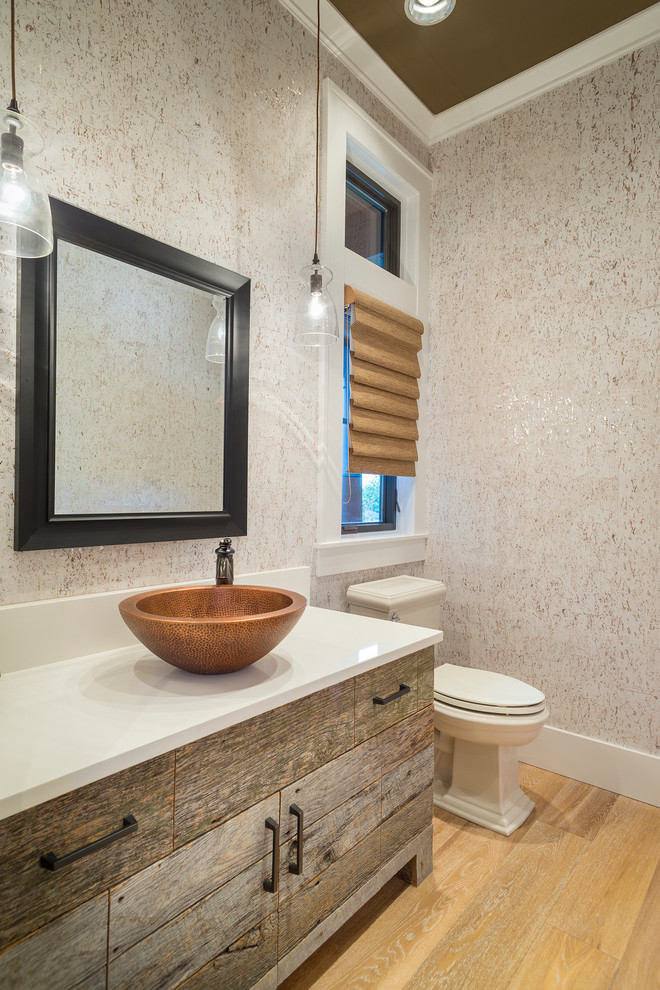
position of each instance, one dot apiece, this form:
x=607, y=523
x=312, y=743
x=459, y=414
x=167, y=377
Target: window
x=372, y=220
x=372, y=230
x=370, y=186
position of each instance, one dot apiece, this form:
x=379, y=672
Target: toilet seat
x=485, y=691
x=489, y=709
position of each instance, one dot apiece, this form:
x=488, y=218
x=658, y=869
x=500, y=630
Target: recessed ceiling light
x=428, y=11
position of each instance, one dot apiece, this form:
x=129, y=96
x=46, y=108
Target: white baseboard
x=614, y=768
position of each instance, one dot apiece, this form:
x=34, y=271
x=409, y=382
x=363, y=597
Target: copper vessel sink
x=209, y=629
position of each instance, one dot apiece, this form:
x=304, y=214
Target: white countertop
x=66, y=724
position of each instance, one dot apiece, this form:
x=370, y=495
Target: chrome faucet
x=224, y=562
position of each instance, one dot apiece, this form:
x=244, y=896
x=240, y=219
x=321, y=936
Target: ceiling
x=487, y=57
x=481, y=44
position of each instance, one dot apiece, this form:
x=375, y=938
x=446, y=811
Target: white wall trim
x=359, y=553
x=348, y=126
x=344, y=42
x=352, y=50
x=635, y=32
x=603, y=764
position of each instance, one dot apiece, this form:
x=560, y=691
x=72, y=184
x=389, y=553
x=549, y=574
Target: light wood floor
x=571, y=899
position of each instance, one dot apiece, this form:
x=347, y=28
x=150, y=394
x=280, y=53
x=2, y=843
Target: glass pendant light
x=316, y=316
x=428, y=11
x=215, y=343
x=26, y=226
x=315, y=323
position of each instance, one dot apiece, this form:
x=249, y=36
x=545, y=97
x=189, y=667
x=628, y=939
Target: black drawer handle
x=51, y=862
x=403, y=689
x=272, y=884
x=297, y=867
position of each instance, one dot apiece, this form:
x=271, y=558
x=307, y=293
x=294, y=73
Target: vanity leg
x=421, y=865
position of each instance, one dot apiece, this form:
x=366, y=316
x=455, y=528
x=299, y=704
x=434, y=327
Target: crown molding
x=344, y=42
x=635, y=32
x=352, y=50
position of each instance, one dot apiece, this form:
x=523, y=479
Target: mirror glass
x=139, y=411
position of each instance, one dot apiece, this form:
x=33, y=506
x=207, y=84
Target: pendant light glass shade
x=217, y=338
x=429, y=11
x=316, y=317
x=26, y=226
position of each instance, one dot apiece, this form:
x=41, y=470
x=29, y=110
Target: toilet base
x=505, y=824
x=484, y=787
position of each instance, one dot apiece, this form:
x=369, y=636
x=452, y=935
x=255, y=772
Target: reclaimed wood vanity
x=227, y=859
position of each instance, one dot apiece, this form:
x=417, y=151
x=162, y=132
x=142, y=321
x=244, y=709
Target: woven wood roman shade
x=384, y=387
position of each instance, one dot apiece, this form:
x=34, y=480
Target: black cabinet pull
x=51, y=862
x=297, y=867
x=403, y=689
x=272, y=884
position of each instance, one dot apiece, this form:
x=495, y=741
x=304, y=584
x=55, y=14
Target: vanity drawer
x=32, y=896
x=386, y=695
x=220, y=776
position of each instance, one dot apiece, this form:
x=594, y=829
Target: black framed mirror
x=125, y=431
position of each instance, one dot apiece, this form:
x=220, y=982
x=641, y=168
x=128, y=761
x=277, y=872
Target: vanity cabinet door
x=191, y=910
x=327, y=839
x=336, y=782
x=320, y=898
x=70, y=951
x=390, y=693
x=32, y=896
x=358, y=811
x=407, y=800
x=249, y=962
x=199, y=936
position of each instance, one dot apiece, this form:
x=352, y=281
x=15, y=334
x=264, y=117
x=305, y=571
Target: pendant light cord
x=318, y=112
x=13, y=104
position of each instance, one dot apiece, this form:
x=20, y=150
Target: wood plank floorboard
x=560, y=960
x=640, y=966
x=602, y=902
x=499, y=926
x=570, y=901
x=579, y=808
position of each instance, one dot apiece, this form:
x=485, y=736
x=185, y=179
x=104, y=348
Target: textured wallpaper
x=544, y=381
x=192, y=123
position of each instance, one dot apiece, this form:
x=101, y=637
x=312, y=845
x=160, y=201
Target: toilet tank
x=404, y=599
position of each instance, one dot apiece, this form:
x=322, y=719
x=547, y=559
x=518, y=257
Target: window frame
x=371, y=191
x=368, y=188
x=348, y=133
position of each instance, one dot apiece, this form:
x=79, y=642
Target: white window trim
x=347, y=126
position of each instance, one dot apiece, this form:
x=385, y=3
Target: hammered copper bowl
x=211, y=629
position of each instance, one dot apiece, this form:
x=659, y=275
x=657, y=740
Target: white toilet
x=479, y=716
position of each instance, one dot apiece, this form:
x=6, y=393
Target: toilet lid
x=485, y=691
